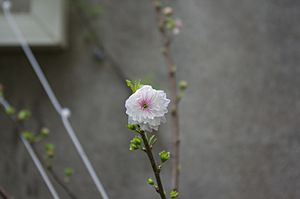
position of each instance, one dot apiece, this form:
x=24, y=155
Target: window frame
x=43, y=26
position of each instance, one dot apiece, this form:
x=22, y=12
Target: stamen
x=145, y=106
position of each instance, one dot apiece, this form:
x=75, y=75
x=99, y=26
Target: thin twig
x=61, y=183
x=19, y=127
x=174, y=96
x=155, y=169
x=56, y=177
x=4, y=194
x=86, y=21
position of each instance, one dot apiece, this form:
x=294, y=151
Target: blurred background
x=239, y=116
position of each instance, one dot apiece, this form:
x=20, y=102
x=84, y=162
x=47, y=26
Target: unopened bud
x=133, y=147
x=164, y=156
x=183, y=85
x=136, y=140
x=150, y=181
x=167, y=11
x=45, y=131
x=131, y=127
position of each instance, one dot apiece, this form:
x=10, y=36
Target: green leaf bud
x=10, y=110
x=183, y=85
x=136, y=140
x=24, y=114
x=133, y=147
x=164, y=156
x=150, y=181
x=132, y=127
x=50, y=148
x=174, y=194
x=29, y=136
x=45, y=132
x=170, y=23
x=69, y=172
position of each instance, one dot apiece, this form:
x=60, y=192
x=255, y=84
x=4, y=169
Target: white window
x=43, y=24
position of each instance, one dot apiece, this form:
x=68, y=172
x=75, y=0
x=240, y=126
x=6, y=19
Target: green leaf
x=134, y=86
x=152, y=140
x=174, y=194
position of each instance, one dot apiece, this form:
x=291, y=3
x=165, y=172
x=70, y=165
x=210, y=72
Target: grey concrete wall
x=239, y=118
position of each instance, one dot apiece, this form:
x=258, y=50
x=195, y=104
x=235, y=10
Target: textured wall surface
x=240, y=116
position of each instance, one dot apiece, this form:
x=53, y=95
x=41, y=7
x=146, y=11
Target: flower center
x=145, y=104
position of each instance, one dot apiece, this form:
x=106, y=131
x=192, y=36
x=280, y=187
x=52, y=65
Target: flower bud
x=133, y=147
x=136, y=140
x=183, y=85
x=164, y=156
x=45, y=132
x=131, y=127
x=167, y=11
x=178, y=26
x=150, y=181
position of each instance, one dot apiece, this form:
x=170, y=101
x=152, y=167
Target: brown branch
x=174, y=96
x=4, y=194
x=155, y=169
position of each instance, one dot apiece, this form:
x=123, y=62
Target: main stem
x=156, y=170
x=174, y=100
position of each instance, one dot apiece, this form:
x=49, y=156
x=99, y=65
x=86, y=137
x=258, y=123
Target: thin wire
x=35, y=65
x=34, y=158
x=63, y=112
x=84, y=157
x=40, y=167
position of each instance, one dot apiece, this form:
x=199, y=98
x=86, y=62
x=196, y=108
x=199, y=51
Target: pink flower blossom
x=147, y=108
